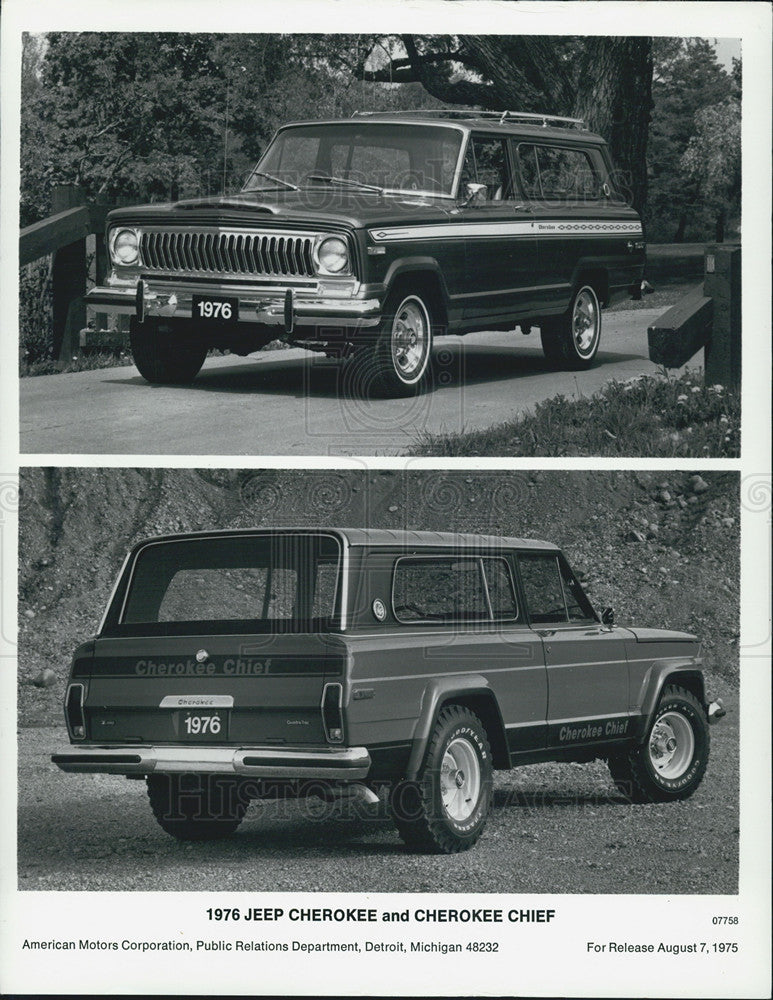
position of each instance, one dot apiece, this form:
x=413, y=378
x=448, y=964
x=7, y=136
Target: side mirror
x=476, y=193
x=607, y=616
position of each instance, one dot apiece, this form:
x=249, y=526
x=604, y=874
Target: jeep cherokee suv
x=366, y=238
x=372, y=664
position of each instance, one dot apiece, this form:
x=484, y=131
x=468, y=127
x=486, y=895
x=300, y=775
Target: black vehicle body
x=476, y=258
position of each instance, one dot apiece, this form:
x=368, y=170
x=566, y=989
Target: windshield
x=273, y=583
x=390, y=156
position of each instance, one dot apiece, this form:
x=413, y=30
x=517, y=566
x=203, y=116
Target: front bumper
x=346, y=764
x=272, y=305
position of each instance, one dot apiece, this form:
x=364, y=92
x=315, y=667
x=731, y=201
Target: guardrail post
x=722, y=283
x=68, y=280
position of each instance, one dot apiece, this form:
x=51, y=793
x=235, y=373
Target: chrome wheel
x=671, y=745
x=410, y=340
x=585, y=322
x=460, y=781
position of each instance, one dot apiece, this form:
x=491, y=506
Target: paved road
x=288, y=402
x=553, y=828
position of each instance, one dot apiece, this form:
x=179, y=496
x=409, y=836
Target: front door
x=499, y=244
x=587, y=667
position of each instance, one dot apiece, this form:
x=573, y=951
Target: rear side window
x=446, y=589
x=552, y=593
x=556, y=172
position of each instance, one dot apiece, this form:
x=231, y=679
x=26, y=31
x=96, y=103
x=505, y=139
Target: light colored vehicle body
x=347, y=661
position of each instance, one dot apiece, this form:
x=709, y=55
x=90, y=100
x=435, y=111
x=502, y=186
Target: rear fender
x=471, y=691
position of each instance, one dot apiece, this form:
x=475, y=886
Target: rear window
x=440, y=589
x=557, y=173
x=262, y=583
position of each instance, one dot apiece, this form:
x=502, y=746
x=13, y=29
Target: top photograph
x=380, y=245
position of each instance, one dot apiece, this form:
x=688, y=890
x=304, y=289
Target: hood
x=661, y=635
x=313, y=206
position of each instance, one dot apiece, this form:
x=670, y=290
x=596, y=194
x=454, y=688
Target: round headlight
x=126, y=247
x=333, y=255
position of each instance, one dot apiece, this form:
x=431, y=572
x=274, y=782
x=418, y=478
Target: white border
x=533, y=961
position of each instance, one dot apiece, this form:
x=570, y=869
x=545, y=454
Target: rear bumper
x=346, y=764
x=280, y=306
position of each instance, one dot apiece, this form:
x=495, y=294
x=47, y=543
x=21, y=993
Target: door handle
x=546, y=632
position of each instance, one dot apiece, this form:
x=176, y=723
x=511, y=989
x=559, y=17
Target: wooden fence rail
x=709, y=318
x=63, y=235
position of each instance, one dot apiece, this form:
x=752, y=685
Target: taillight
x=332, y=712
x=73, y=711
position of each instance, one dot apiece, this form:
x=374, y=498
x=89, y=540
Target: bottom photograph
x=378, y=681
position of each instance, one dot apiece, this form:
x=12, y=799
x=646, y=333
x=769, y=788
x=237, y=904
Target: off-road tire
x=635, y=773
x=196, y=806
x=562, y=341
x=418, y=810
x=390, y=365
x=162, y=355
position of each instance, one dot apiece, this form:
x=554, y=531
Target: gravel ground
x=553, y=828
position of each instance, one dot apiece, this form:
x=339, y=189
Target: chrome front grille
x=208, y=252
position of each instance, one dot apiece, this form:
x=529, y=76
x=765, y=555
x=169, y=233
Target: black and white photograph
x=309, y=637
x=465, y=245
x=385, y=498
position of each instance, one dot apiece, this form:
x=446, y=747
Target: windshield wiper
x=277, y=180
x=344, y=180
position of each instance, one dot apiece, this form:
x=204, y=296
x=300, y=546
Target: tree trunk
x=719, y=229
x=679, y=234
x=614, y=97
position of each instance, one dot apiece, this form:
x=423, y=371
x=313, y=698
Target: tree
x=713, y=160
x=606, y=81
x=687, y=77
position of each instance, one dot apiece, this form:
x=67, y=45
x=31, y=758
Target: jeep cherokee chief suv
x=367, y=237
x=372, y=664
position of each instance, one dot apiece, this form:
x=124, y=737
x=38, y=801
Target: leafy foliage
x=687, y=79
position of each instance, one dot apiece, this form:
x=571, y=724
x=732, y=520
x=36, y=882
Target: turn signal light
x=332, y=713
x=73, y=711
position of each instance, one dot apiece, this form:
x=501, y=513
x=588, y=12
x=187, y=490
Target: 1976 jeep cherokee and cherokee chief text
x=359, y=663
x=365, y=238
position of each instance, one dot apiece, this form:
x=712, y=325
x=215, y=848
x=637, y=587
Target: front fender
x=682, y=670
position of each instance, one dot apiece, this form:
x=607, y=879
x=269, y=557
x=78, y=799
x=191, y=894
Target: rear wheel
x=162, y=355
x=572, y=340
x=398, y=362
x=196, y=806
x=672, y=760
x=445, y=810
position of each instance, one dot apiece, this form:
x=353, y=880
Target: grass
x=79, y=363
x=649, y=416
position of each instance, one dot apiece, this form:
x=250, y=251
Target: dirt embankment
x=661, y=548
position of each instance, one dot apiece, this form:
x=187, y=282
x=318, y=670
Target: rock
x=728, y=522
x=664, y=496
x=45, y=679
x=682, y=502
x=29, y=613
x=634, y=536
x=393, y=509
x=692, y=500
x=698, y=484
x=652, y=531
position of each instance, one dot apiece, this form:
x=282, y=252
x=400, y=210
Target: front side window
x=397, y=157
x=485, y=162
x=264, y=583
x=557, y=173
x=446, y=589
x=553, y=595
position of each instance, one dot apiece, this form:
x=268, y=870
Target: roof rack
x=525, y=117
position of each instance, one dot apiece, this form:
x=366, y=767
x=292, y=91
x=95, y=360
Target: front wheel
x=196, y=806
x=572, y=340
x=672, y=760
x=445, y=811
x=398, y=362
x=162, y=355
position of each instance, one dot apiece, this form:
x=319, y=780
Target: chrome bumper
x=349, y=764
x=271, y=306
